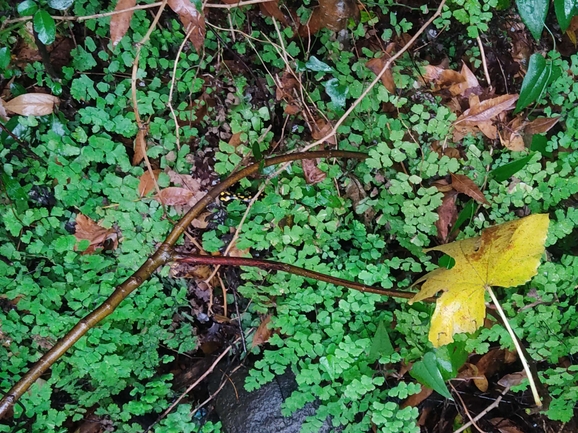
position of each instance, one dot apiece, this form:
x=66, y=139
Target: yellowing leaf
x=32, y=104
x=505, y=255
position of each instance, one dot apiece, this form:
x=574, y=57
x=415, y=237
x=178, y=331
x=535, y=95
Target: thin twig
x=484, y=412
x=467, y=412
x=531, y=380
x=377, y=78
x=484, y=62
x=190, y=388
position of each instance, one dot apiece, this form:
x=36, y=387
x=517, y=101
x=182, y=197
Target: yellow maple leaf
x=505, y=255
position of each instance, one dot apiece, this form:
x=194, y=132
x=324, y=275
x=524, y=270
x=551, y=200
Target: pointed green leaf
x=565, y=10
x=60, y=5
x=537, y=78
x=427, y=372
x=506, y=171
x=533, y=14
x=45, y=27
x=4, y=58
x=450, y=358
x=381, y=344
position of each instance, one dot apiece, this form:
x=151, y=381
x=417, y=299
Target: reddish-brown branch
x=163, y=255
x=277, y=266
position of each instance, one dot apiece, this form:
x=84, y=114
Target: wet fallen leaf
x=140, y=146
x=465, y=185
x=271, y=9
x=540, y=125
x=331, y=14
x=505, y=255
x=320, y=129
x=147, y=182
x=98, y=236
x=311, y=172
x=504, y=425
x=375, y=65
x=192, y=19
x=173, y=196
x=263, y=332
x=120, y=22
x=32, y=104
x=447, y=215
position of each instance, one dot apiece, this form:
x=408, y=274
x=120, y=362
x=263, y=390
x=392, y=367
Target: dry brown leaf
x=119, y=23
x=173, y=196
x=465, y=185
x=202, y=221
x=311, y=172
x=540, y=125
x=415, y=399
x=147, y=182
x=185, y=180
x=513, y=379
x=505, y=425
x=140, y=145
x=331, y=14
x=263, y=332
x=3, y=114
x=32, y=104
x=285, y=87
x=470, y=82
x=192, y=19
x=235, y=139
x=271, y=9
x=447, y=215
x=488, y=109
x=292, y=109
x=513, y=141
x=375, y=65
x=320, y=129
x=98, y=236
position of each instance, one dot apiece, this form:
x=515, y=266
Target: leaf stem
x=518, y=347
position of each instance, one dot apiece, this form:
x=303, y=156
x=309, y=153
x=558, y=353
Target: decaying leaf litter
x=476, y=110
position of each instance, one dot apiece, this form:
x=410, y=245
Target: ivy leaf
x=505, y=255
x=537, y=78
x=336, y=92
x=45, y=27
x=506, y=171
x=533, y=14
x=27, y=8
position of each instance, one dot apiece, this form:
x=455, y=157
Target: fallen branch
x=162, y=255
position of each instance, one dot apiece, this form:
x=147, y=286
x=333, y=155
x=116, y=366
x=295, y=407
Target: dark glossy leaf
x=466, y=214
x=60, y=5
x=17, y=196
x=45, y=27
x=450, y=358
x=446, y=261
x=428, y=373
x=539, y=143
x=4, y=58
x=27, y=8
x=539, y=75
x=506, y=171
x=336, y=92
x=533, y=13
x=381, y=344
x=565, y=10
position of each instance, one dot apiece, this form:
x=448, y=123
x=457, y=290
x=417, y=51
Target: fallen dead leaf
x=465, y=185
x=147, y=182
x=32, y=104
x=447, y=215
x=505, y=425
x=263, y=332
x=271, y=9
x=192, y=19
x=120, y=22
x=98, y=236
x=140, y=145
x=331, y=14
x=505, y=255
x=173, y=196
x=375, y=65
x=311, y=172
x=320, y=129
x=540, y=125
